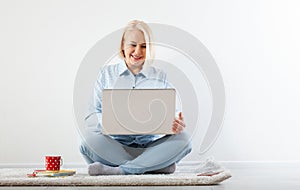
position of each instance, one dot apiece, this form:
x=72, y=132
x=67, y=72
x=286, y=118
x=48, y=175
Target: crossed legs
x=107, y=156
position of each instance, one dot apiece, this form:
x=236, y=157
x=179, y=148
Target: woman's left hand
x=178, y=124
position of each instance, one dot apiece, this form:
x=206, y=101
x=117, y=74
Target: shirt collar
x=123, y=68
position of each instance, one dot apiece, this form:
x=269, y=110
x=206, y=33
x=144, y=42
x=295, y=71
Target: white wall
x=255, y=44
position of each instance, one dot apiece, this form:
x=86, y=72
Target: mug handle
x=61, y=162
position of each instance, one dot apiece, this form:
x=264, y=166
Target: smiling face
x=134, y=48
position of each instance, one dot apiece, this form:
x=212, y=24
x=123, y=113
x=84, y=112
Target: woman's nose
x=138, y=50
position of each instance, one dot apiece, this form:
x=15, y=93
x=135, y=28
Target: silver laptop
x=138, y=111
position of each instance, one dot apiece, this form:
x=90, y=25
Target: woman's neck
x=134, y=70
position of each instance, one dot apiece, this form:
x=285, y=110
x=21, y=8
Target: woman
x=132, y=154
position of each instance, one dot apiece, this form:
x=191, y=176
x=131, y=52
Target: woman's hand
x=178, y=124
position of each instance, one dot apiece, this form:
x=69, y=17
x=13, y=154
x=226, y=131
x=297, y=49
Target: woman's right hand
x=178, y=124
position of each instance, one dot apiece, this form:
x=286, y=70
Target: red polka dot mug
x=53, y=163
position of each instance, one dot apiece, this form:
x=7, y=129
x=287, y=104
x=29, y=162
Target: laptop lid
x=138, y=111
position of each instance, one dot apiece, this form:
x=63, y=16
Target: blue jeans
x=161, y=153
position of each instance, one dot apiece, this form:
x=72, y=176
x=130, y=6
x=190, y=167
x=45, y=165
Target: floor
x=253, y=176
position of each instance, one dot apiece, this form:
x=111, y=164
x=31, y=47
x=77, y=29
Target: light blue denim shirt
x=118, y=76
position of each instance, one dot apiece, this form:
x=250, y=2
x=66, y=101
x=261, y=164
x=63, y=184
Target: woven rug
x=18, y=177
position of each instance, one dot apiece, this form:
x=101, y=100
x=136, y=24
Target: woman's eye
x=144, y=46
x=133, y=45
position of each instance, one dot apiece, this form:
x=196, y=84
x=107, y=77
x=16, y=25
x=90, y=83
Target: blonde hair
x=145, y=29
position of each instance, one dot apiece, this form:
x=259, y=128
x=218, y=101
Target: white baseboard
x=261, y=164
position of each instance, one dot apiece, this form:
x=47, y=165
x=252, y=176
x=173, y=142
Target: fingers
x=180, y=116
x=177, y=129
x=178, y=126
x=180, y=122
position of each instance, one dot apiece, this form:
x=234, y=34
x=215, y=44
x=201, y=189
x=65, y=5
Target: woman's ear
x=122, y=49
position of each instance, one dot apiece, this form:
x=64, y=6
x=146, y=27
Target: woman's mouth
x=136, y=58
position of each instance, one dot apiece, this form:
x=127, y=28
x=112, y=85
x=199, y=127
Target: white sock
x=98, y=168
